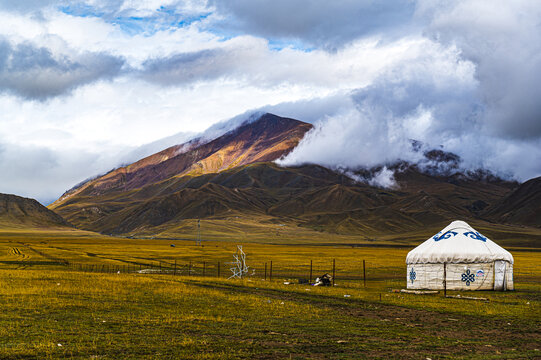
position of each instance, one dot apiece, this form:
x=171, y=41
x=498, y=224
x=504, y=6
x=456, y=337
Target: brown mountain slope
x=522, y=206
x=16, y=211
x=252, y=188
x=266, y=139
x=310, y=196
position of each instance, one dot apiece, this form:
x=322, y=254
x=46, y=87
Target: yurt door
x=499, y=274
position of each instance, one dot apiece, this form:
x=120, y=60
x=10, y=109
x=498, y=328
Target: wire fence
x=302, y=273
x=306, y=272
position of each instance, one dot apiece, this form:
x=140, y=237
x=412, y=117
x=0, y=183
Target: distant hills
x=233, y=177
x=522, y=206
x=20, y=212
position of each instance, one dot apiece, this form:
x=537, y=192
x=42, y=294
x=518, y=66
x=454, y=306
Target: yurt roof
x=458, y=243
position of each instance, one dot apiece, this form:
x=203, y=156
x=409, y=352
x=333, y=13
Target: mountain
x=16, y=211
x=232, y=182
x=266, y=139
x=522, y=206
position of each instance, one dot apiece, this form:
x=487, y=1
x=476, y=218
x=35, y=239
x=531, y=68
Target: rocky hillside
x=16, y=211
x=522, y=206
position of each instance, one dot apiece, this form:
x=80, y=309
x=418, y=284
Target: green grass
x=136, y=316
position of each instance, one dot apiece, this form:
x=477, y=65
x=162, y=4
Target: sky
x=86, y=86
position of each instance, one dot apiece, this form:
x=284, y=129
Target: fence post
x=270, y=271
x=444, y=279
x=218, y=269
x=310, y=280
x=265, y=271
x=333, y=270
x=364, y=273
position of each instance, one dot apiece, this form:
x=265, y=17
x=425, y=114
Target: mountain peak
x=259, y=121
x=260, y=138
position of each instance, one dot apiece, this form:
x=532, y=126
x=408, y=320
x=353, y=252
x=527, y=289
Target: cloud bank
x=85, y=84
x=472, y=90
x=317, y=23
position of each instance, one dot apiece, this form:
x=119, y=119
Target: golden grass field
x=53, y=310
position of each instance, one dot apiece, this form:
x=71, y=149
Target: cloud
x=34, y=72
x=383, y=178
x=145, y=150
x=472, y=90
x=186, y=68
x=327, y=24
x=373, y=127
x=350, y=139
x=43, y=173
x=25, y=6
x=251, y=61
x=503, y=40
x=427, y=98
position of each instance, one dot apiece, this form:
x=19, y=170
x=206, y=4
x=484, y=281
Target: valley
x=112, y=268
x=78, y=294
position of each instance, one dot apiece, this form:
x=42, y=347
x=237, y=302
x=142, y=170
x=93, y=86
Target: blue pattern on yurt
x=475, y=235
x=413, y=275
x=447, y=235
x=468, y=277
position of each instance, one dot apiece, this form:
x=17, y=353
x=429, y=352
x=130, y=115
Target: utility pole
x=198, y=239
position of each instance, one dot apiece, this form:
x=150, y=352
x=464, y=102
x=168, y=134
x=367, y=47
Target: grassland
x=52, y=310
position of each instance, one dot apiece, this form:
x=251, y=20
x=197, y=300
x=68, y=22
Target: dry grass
x=96, y=315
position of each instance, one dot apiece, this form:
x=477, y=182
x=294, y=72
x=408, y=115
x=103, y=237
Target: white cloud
x=44, y=173
x=503, y=39
x=329, y=24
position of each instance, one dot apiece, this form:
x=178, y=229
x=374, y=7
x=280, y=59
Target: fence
x=270, y=270
x=306, y=271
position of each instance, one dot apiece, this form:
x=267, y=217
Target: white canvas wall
x=509, y=282
x=503, y=275
x=472, y=276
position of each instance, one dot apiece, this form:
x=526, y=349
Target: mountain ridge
x=522, y=206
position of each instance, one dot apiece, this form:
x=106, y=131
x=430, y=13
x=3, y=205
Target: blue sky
x=84, y=85
x=163, y=18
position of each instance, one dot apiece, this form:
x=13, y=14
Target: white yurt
x=462, y=258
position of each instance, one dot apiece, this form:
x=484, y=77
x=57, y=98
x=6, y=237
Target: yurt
x=459, y=258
